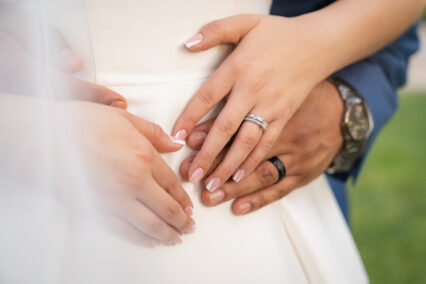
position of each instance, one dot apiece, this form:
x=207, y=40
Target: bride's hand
x=129, y=183
x=22, y=63
x=270, y=73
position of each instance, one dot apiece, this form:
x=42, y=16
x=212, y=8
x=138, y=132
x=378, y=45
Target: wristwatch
x=356, y=125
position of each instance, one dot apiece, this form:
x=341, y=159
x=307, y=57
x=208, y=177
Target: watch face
x=357, y=121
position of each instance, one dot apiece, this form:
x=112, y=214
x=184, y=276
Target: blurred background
x=388, y=204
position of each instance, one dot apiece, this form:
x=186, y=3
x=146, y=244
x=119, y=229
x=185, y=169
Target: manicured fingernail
x=244, y=208
x=217, y=196
x=196, y=176
x=198, y=137
x=177, y=241
x=118, y=104
x=188, y=210
x=191, y=229
x=239, y=175
x=177, y=141
x=194, y=40
x=181, y=134
x=213, y=184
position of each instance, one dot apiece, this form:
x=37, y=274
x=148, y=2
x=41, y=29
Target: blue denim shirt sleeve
x=377, y=79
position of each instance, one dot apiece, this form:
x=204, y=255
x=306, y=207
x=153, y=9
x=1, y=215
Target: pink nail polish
x=244, y=208
x=239, y=175
x=217, y=196
x=196, y=176
x=194, y=40
x=188, y=210
x=176, y=140
x=181, y=134
x=191, y=229
x=213, y=184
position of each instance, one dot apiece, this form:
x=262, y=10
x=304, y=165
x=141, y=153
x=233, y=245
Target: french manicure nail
x=194, y=40
x=213, y=184
x=181, y=134
x=188, y=210
x=239, y=175
x=217, y=196
x=176, y=140
x=196, y=176
x=244, y=208
x=191, y=229
x=177, y=241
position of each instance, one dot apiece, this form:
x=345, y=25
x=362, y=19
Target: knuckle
x=155, y=227
x=156, y=131
x=280, y=193
x=207, y=98
x=215, y=27
x=146, y=156
x=247, y=142
x=172, y=211
x=267, y=145
x=267, y=175
x=226, y=127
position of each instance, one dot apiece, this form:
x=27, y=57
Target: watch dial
x=357, y=122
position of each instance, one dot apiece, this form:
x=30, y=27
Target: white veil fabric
x=29, y=146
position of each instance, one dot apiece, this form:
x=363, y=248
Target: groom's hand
x=25, y=67
x=306, y=146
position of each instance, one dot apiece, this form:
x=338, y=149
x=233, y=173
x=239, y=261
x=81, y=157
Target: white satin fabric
x=137, y=50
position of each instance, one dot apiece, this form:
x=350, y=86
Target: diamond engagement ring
x=257, y=120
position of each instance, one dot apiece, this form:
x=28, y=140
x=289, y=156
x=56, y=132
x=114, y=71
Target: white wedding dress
x=137, y=49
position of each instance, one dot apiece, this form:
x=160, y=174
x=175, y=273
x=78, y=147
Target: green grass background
x=388, y=204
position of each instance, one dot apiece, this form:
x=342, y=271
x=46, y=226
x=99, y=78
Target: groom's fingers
x=227, y=30
x=254, y=201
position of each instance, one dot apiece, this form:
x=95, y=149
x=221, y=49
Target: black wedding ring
x=279, y=165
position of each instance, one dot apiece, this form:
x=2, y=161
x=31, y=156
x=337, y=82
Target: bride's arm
x=276, y=63
x=354, y=29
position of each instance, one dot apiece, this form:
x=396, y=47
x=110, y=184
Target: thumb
x=163, y=142
x=227, y=30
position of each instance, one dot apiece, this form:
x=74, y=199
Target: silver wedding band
x=257, y=120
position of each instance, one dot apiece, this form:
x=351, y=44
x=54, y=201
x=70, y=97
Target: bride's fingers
x=246, y=140
x=86, y=91
x=256, y=200
x=149, y=223
x=168, y=180
x=265, y=175
x=207, y=97
x=223, y=129
x=226, y=30
x=123, y=229
x=164, y=206
x=155, y=134
x=262, y=149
